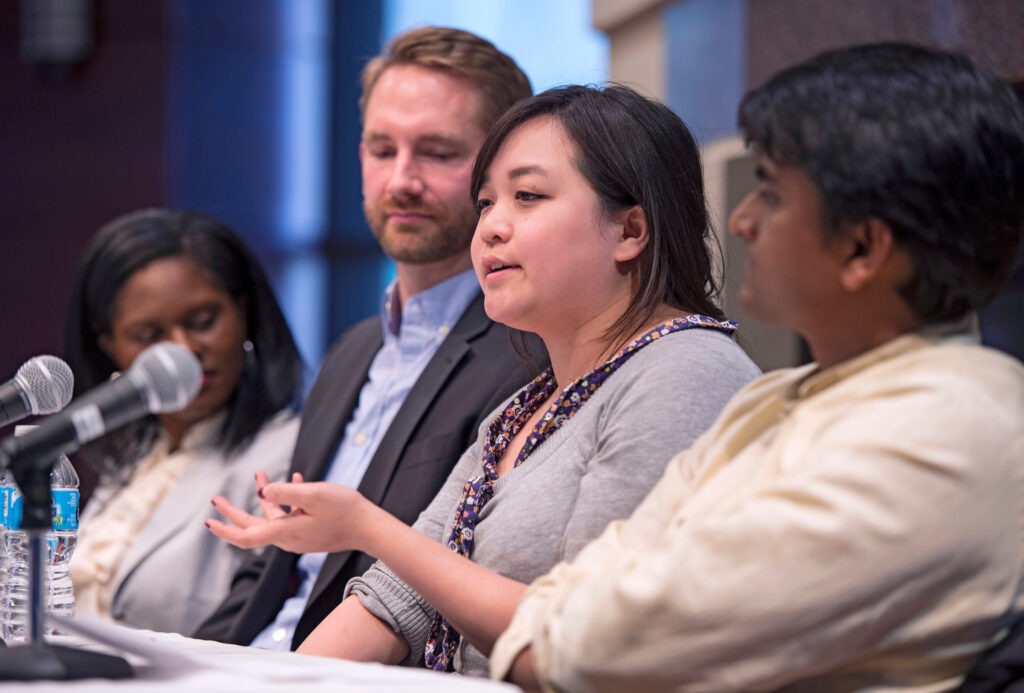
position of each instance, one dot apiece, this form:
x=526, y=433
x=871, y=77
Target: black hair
x=270, y=382
x=632, y=151
x=924, y=140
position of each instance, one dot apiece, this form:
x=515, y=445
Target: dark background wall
x=781, y=33
x=189, y=103
x=77, y=147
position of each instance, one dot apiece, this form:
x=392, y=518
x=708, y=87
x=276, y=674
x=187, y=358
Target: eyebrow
x=521, y=171
x=435, y=138
x=762, y=173
x=517, y=172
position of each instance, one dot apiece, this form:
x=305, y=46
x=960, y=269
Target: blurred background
x=247, y=110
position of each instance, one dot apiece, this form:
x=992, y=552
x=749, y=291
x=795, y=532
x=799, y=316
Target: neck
x=414, y=279
x=575, y=353
x=175, y=431
x=859, y=331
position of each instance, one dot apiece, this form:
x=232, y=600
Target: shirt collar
x=438, y=307
x=963, y=330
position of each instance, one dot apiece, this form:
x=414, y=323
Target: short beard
x=450, y=236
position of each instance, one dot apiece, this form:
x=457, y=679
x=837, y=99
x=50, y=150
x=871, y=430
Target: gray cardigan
x=596, y=468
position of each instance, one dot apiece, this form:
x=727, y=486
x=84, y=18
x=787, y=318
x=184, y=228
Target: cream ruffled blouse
x=117, y=514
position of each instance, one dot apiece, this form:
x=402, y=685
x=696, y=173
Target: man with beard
x=399, y=396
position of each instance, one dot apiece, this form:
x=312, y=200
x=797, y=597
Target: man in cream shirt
x=855, y=523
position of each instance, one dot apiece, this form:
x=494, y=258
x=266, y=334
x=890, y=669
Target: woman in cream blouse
x=143, y=555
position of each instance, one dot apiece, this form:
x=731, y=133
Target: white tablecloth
x=171, y=662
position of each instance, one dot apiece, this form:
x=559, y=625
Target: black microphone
x=43, y=385
x=163, y=378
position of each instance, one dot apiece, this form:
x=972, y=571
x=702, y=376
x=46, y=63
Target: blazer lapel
x=420, y=397
x=187, y=501
x=344, y=379
x=378, y=475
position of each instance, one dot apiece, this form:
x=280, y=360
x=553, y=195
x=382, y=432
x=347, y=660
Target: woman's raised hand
x=298, y=517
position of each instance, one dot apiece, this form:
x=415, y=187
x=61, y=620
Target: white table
x=171, y=662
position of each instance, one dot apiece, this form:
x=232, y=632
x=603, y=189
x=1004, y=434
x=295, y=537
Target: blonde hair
x=496, y=77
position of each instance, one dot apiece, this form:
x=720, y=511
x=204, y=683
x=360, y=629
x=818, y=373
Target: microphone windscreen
x=169, y=376
x=47, y=382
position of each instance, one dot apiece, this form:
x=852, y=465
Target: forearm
x=523, y=672
x=351, y=632
x=441, y=576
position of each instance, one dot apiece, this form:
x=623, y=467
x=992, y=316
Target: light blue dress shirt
x=412, y=335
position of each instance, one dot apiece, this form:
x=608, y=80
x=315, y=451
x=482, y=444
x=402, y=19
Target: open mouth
x=497, y=268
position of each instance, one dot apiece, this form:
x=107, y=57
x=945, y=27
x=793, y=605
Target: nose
x=493, y=225
x=182, y=337
x=406, y=179
x=741, y=220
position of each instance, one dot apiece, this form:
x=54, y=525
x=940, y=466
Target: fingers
x=244, y=538
x=298, y=495
x=297, y=477
x=261, y=479
x=270, y=510
x=295, y=532
x=234, y=514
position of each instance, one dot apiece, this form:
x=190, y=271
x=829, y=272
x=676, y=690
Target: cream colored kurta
x=860, y=528
x=144, y=556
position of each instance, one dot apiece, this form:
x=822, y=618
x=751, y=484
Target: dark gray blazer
x=474, y=370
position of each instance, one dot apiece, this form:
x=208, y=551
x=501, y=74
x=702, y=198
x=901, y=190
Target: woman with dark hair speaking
x=592, y=234
x=143, y=556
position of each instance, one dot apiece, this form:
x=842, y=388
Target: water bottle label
x=6, y=500
x=14, y=509
x=64, y=506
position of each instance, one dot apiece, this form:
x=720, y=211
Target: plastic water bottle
x=7, y=491
x=61, y=542
x=60, y=545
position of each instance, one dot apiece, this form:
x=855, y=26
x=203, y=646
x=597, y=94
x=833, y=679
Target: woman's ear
x=633, y=234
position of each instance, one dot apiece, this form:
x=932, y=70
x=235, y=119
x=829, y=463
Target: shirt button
x=279, y=634
x=443, y=330
x=360, y=438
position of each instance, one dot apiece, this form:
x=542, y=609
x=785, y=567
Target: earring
x=250, y=354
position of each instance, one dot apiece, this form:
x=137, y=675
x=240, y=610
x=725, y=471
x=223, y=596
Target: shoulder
x=690, y=362
x=964, y=383
x=364, y=333
x=272, y=446
x=280, y=428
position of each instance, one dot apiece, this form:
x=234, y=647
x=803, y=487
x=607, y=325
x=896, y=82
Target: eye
x=146, y=336
x=379, y=152
x=439, y=155
x=769, y=196
x=202, y=320
x=483, y=203
x=527, y=196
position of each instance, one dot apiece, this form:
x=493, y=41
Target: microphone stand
x=40, y=660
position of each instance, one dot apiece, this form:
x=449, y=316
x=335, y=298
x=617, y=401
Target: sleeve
x=390, y=599
x=885, y=524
